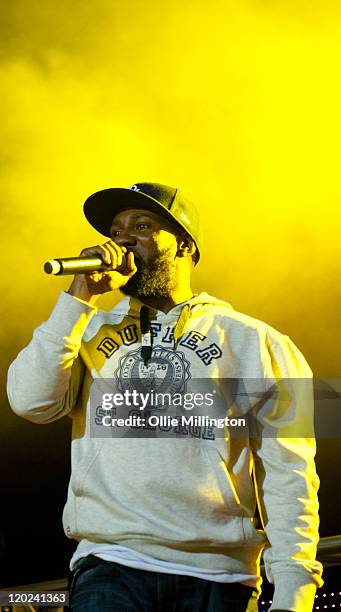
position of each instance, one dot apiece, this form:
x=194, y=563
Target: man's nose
x=125, y=238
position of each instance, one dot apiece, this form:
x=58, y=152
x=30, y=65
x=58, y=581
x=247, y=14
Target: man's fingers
x=110, y=253
x=99, y=251
x=109, y=258
x=117, y=256
x=130, y=266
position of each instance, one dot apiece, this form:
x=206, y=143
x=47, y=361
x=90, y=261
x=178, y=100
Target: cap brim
x=101, y=207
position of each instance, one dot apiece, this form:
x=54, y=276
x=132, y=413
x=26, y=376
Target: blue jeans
x=104, y=585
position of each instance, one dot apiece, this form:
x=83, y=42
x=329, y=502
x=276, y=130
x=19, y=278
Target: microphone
x=74, y=265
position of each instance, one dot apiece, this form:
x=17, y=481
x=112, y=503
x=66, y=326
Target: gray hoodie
x=189, y=500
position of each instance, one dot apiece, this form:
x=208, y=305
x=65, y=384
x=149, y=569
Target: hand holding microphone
x=107, y=267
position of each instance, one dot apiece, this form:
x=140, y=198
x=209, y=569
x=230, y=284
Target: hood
x=180, y=314
x=132, y=306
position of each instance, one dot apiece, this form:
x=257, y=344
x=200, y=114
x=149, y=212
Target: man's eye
x=115, y=233
x=142, y=226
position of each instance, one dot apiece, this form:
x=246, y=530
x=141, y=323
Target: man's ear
x=186, y=246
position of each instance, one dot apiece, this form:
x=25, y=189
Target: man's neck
x=178, y=296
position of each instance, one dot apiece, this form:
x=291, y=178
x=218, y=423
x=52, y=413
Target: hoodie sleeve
x=45, y=378
x=286, y=478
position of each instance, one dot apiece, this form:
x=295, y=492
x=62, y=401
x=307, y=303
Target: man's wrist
x=79, y=290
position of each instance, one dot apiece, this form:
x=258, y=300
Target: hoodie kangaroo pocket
x=224, y=482
x=84, y=464
x=84, y=458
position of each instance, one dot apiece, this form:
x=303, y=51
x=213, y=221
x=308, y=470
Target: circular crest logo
x=166, y=371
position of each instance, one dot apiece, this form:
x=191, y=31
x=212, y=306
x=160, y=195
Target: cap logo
x=134, y=188
x=184, y=218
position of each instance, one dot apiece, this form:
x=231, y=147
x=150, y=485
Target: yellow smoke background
x=237, y=103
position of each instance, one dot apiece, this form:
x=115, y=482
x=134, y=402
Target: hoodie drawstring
x=181, y=323
x=147, y=339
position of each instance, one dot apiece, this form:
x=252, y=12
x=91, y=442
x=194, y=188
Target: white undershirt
x=131, y=558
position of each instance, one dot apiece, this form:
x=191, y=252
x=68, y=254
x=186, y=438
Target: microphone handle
x=74, y=265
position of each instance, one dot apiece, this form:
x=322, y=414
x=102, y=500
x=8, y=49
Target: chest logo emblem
x=167, y=371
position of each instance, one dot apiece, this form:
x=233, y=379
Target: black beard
x=154, y=278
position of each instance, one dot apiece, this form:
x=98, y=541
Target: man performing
x=169, y=524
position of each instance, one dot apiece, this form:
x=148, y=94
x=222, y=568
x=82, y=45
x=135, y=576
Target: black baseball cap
x=101, y=207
